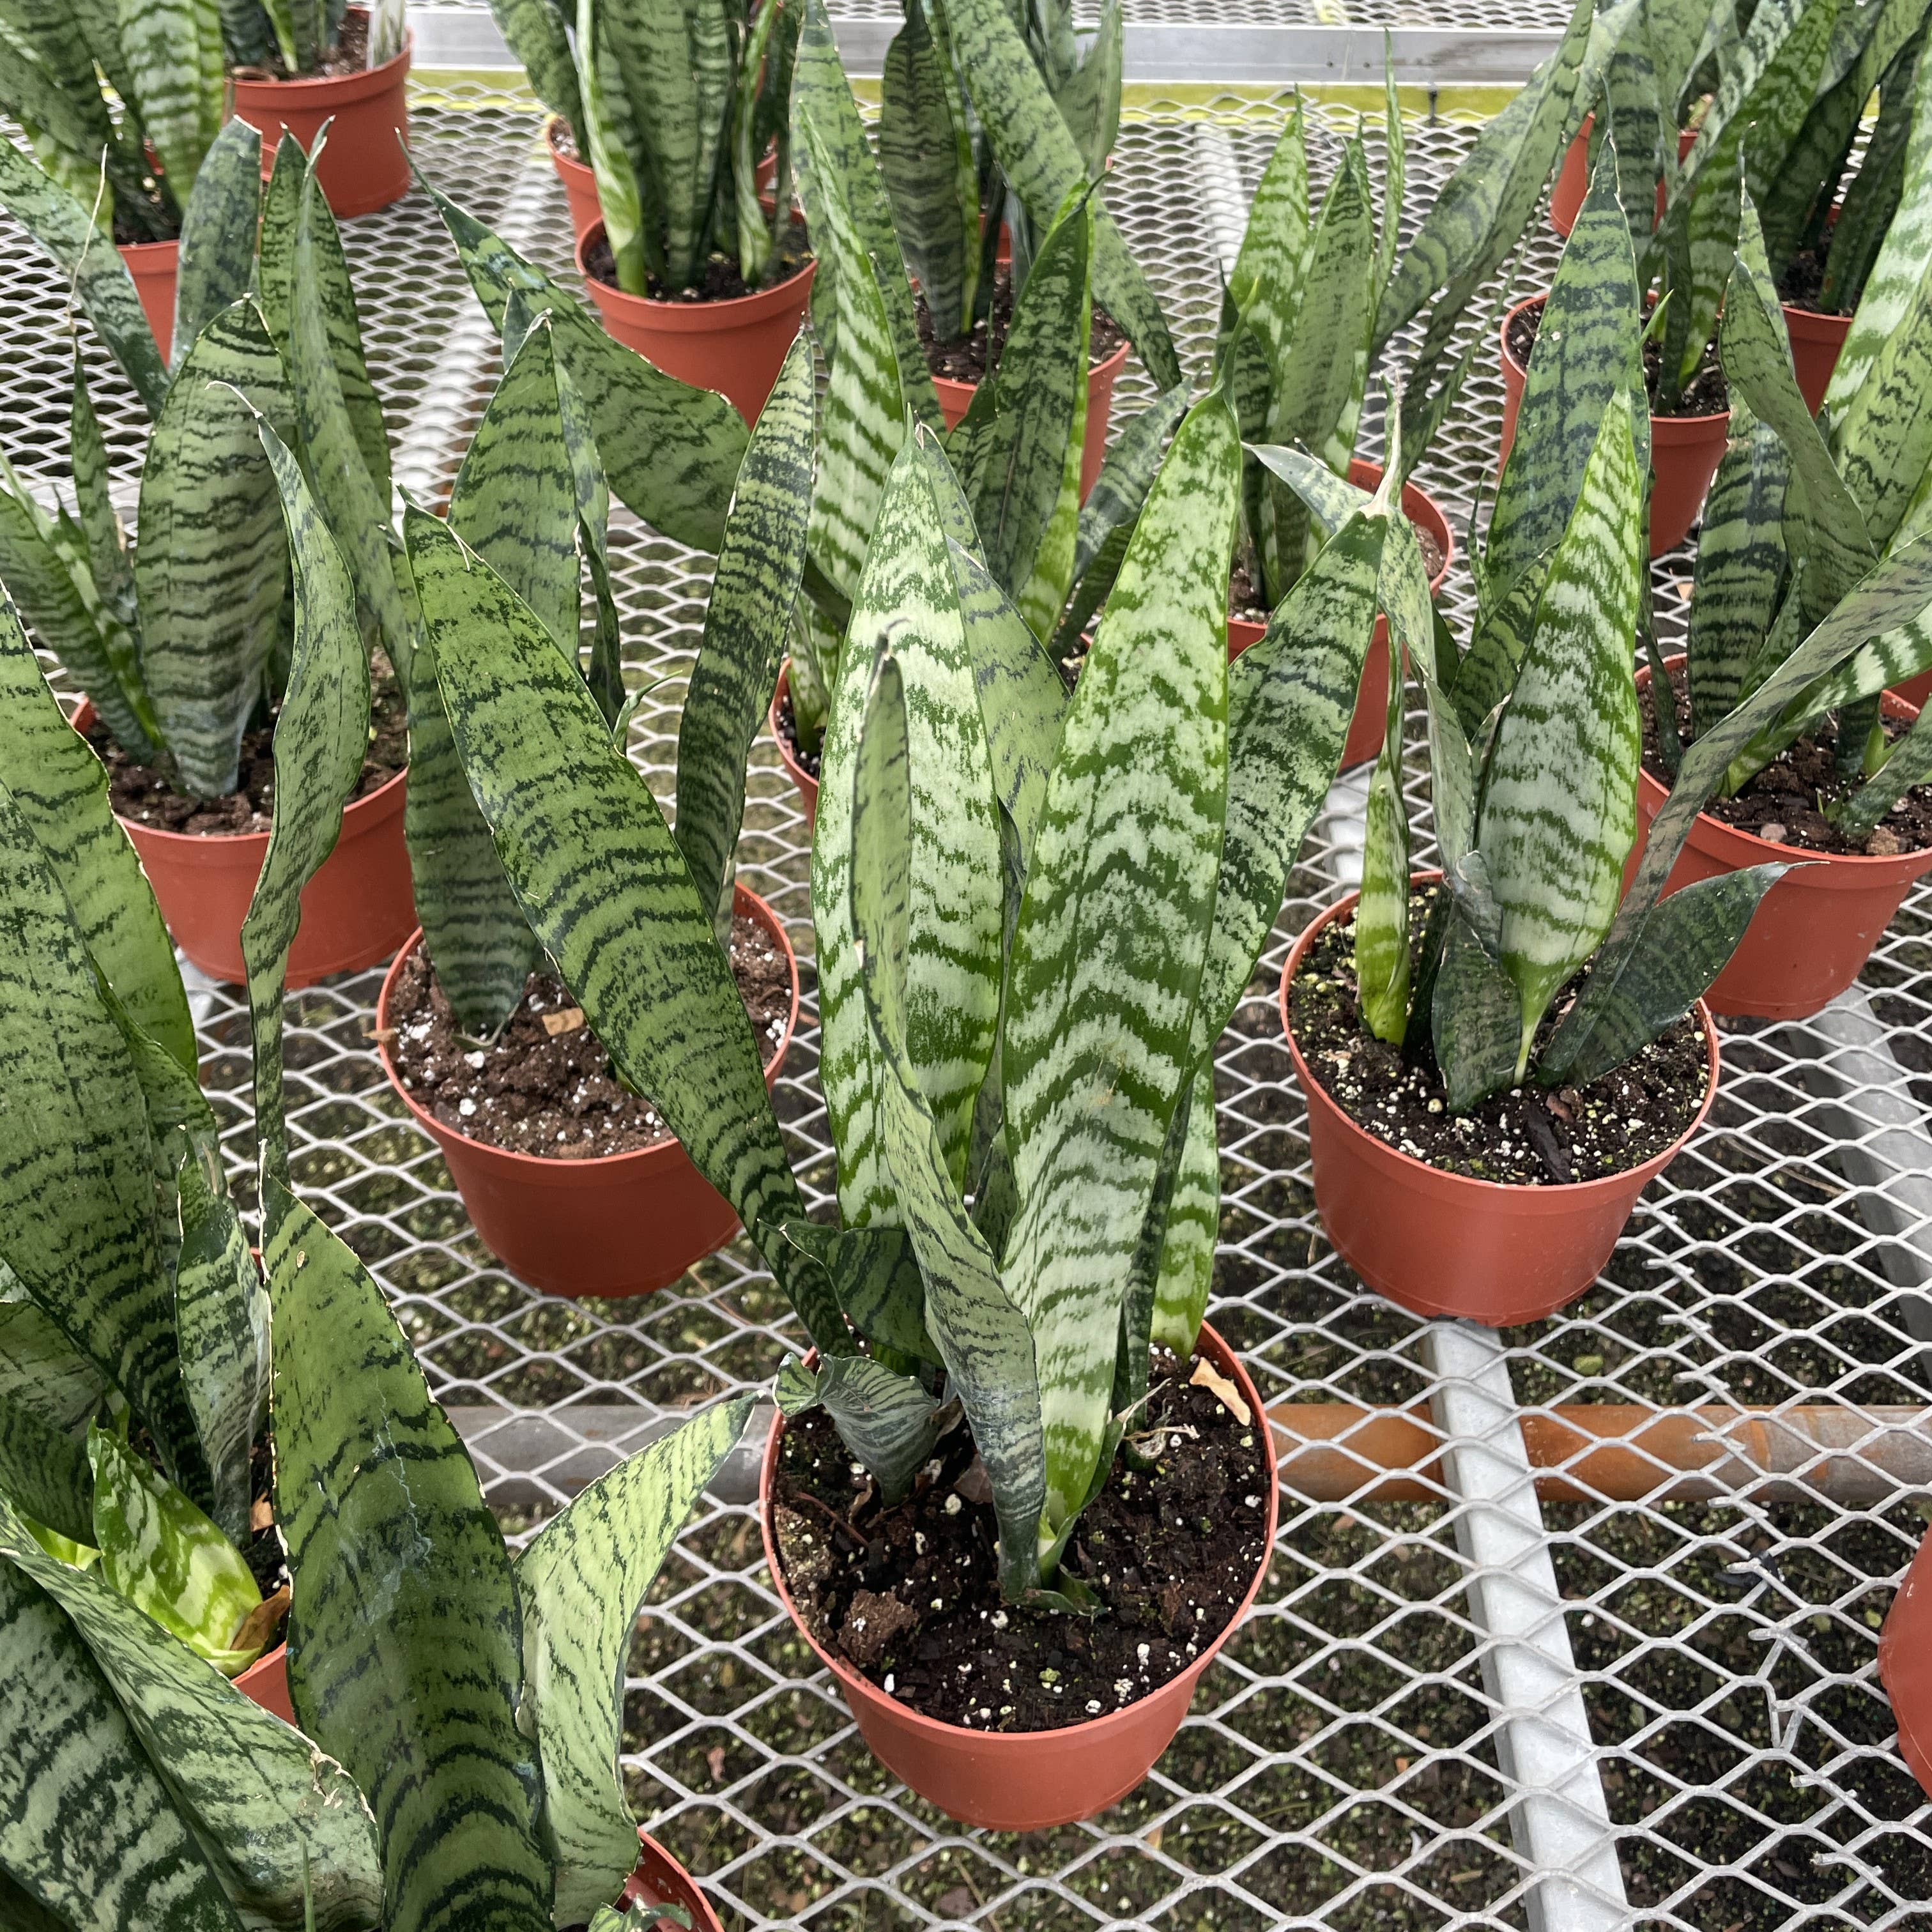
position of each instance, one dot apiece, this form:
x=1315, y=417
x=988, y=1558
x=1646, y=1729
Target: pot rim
x=341, y=89
x=1557, y=1198
x=1110, y=368
x=663, y=1151
x=1815, y=325
x=145, y=253
x=1096, y=1731
x=552, y=122
x=387, y=798
x=701, y=318
x=1752, y=850
x=1672, y=429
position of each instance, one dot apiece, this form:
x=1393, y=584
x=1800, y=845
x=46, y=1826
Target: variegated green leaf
x=581, y=1585
x=1558, y=813
x=1907, y=764
x=1488, y=674
x=108, y=562
x=875, y=1275
x=1885, y=442
x=885, y=1417
x=925, y=154
x=600, y=879
x=1741, y=565
x=1476, y=1011
x=44, y=1471
x=276, y=1818
x=209, y=566
x=1193, y=1225
x=1089, y=100
x=404, y=1649
x=1042, y=162
x=42, y=1371
x=1381, y=911
x=1105, y=961
x=172, y=50
x=672, y=451
x=87, y=1827
x=745, y=625
x=631, y=223
x=275, y=247
x=218, y=232
x=535, y=31
x=61, y=791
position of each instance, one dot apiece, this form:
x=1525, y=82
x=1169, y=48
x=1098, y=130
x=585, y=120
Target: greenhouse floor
x=1498, y=1675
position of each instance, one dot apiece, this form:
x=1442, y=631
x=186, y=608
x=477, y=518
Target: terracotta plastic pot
x=659, y=1879
x=1914, y=690
x=154, y=266
x=1573, y=179
x=1450, y=1244
x=808, y=785
x=1026, y=1781
x=615, y=1225
x=1813, y=931
x=1815, y=342
x=1685, y=451
x=1905, y=1664
x=266, y=1681
x=356, y=911
x=735, y=347
x=1369, y=724
x=364, y=167
x=956, y=398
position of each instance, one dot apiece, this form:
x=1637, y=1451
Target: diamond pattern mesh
x=1348, y=1758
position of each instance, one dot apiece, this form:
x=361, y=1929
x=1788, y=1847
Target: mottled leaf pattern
x=44, y=1471
x=42, y=1371
x=1193, y=1225
x=886, y=1418
x=1741, y=563
x=925, y=154
x=218, y=232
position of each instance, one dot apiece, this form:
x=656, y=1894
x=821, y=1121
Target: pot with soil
x=801, y=767
x=202, y=857
x=580, y=178
x=1905, y=1664
x=957, y=368
x=1817, y=335
x=155, y=267
x=573, y=1181
x=1818, y=925
x=1685, y=447
x=722, y=336
x=1503, y=1214
x=1016, y=1719
x=365, y=166
x=1247, y=622
x=1573, y=179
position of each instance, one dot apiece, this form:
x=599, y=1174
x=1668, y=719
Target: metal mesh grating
x=1402, y=1734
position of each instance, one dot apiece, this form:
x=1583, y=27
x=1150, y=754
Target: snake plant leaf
x=1018, y=452
x=632, y=225
x=275, y=1817
x=275, y=246
x=172, y=50
x=1896, y=591
x=534, y=30
x=1588, y=345
x=581, y=1585
x=61, y=791
x=1042, y=162
x=1476, y=1012
x=1105, y=961
x=219, y=227
x=671, y=451
x=1486, y=205
x=745, y=625
x=209, y=568
x=886, y=1418
x=42, y=1371
x=1741, y=565
x=1266, y=283
x=1906, y=763
x=982, y=1336
x=604, y=888
x=1558, y=813
x=1884, y=441
x=1872, y=198
x=66, y=231
x=925, y=154
x=87, y=1828
x=1192, y=1226
x=952, y=968
x=1634, y=121
x=875, y=1275
x=404, y=1660
x=320, y=737
x=1089, y=100
x=110, y=563
x=1488, y=674
x=1331, y=499
x=76, y=1187
x=1832, y=523
x=1381, y=912
x=166, y=1557
x=44, y=1471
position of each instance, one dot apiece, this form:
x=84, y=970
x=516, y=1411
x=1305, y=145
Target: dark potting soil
x=1803, y=281
x=545, y=1085
x=1705, y=395
x=911, y=1594
x=723, y=280
x=969, y=359
x=1783, y=802
x=350, y=55
x=1526, y=1136
x=807, y=761
x=144, y=795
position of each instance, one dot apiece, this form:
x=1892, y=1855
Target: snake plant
x=298, y=37
x=672, y=104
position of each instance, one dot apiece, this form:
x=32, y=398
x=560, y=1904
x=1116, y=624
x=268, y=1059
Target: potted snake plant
x=671, y=113
x=179, y=641
x=1841, y=778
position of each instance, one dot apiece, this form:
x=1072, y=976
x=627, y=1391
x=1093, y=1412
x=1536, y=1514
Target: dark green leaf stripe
x=208, y=567
x=66, y=230
x=43, y=1471
x=76, y=1190
x=86, y=1825
x=1105, y=961
x=218, y=232
x=745, y=626
x=925, y=154
x=606, y=890
x=320, y=737
x=1039, y=156
x=61, y=789
x=672, y=451
x=581, y=1584
x=1740, y=563
x=404, y=1643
